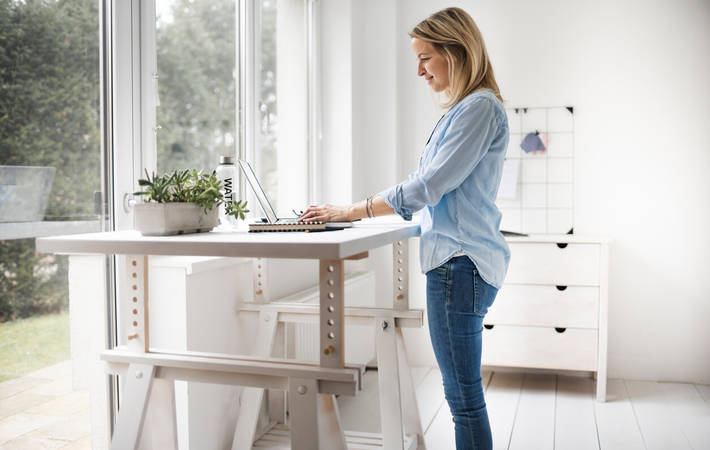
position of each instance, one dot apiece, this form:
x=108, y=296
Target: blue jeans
x=457, y=301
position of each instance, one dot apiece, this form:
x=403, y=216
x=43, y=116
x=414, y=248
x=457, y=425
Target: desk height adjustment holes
x=331, y=309
x=331, y=295
x=135, y=287
x=135, y=311
x=133, y=263
x=400, y=288
x=134, y=275
x=331, y=269
x=399, y=278
x=135, y=324
x=331, y=322
x=331, y=282
x=135, y=299
x=331, y=335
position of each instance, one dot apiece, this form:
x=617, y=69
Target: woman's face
x=431, y=65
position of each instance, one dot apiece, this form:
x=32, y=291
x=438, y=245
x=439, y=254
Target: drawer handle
x=560, y=330
x=561, y=244
x=561, y=288
x=488, y=327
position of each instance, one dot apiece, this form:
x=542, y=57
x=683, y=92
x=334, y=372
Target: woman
x=463, y=253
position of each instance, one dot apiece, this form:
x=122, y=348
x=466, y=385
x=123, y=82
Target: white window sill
x=26, y=230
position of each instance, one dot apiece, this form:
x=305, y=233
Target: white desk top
x=321, y=245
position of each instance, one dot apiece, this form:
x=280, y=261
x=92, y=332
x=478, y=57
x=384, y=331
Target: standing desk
x=311, y=387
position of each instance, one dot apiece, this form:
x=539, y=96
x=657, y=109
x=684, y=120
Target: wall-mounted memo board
x=543, y=201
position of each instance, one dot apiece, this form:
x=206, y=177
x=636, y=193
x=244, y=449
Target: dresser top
x=559, y=238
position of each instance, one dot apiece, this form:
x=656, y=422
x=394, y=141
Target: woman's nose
x=421, y=71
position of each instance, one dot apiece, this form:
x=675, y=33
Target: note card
x=509, y=182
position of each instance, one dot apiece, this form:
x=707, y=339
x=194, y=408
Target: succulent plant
x=189, y=186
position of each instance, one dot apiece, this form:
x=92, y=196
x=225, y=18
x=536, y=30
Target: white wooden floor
x=548, y=411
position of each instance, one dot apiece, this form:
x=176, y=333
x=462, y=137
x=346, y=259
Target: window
x=196, y=101
x=281, y=133
x=215, y=58
x=50, y=172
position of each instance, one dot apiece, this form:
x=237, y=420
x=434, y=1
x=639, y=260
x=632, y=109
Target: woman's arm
x=331, y=213
x=465, y=142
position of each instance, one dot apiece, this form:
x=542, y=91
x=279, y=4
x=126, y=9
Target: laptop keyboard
x=296, y=222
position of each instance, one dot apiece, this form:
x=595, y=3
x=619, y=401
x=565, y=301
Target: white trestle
x=148, y=399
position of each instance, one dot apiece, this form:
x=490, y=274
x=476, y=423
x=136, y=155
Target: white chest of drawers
x=551, y=312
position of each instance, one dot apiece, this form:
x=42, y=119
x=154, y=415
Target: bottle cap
x=226, y=160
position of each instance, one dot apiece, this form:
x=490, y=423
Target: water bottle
x=227, y=174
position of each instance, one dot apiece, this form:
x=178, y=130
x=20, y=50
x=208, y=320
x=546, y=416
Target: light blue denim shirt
x=456, y=184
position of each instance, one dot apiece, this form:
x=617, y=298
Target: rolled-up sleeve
x=464, y=143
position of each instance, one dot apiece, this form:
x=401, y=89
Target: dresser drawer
x=574, y=349
x=547, y=263
x=545, y=306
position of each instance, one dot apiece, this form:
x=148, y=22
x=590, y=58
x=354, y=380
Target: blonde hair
x=454, y=34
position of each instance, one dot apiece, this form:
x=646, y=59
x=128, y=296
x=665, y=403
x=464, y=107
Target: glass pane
x=196, y=86
x=50, y=171
x=281, y=155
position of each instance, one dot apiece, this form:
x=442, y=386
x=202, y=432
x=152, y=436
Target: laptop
x=273, y=223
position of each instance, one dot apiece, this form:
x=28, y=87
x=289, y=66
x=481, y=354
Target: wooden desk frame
x=314, y=419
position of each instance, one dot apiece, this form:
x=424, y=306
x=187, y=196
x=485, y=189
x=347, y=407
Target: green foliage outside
x=32, y=343
x=196, y=54
x=49, y=116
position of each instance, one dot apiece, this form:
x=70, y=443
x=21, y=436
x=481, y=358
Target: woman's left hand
x=326, y=213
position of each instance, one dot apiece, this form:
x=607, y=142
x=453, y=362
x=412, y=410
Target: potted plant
x=184, y=201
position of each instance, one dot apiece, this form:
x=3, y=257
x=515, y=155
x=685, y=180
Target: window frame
x=248, y=103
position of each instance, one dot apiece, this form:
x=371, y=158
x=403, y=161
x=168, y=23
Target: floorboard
x=368, y=399
x=502, y=398
x=575, y=425
x=418, y=374
x=659, y=427
x=616, y=423
x=704, y=391
x=690, y=411
x=441, y=435
x=430, y=397
x=534, y=426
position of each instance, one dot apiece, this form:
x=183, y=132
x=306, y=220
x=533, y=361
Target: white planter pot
x=165, y=219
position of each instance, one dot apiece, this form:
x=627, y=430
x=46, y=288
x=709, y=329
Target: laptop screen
x=260, y=195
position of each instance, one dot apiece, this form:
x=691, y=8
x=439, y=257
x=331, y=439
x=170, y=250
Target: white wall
x=637, y=73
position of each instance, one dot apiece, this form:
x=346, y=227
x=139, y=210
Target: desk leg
x=410, y=409
x=252, y=398
x=147, y=404
x=314, y=418
x=388, y=377
x=135, y=301
x=332, y=312
x=160, y=422
x=129, y=425
x=400, y=275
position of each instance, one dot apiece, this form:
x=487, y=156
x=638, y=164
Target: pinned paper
x=532, y=143
x=509, y=180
